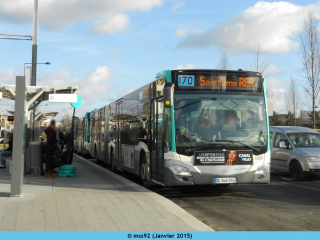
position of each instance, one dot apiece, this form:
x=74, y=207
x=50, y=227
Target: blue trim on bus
x=266, y=102
x=167, y=74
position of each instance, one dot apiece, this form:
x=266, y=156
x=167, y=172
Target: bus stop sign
x=78, y=103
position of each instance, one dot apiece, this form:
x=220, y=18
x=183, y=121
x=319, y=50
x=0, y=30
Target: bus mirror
x=168, y=95
x=270, y=107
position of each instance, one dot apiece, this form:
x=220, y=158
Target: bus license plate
x=224, y=180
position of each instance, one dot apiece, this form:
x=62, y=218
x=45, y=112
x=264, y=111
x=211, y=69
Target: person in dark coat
x=8, y=151
x=61, y=139
x=50, y=147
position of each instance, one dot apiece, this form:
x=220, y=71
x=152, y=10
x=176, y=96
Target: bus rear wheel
x=144, y=172
x=112, y=161
x=95, y=155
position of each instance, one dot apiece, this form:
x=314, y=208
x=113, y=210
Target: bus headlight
x=263, y=169
x=313, y=159
x=180, y=170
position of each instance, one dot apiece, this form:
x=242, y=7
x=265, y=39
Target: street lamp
x=24, y=69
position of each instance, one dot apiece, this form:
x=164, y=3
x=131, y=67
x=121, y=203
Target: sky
x=110, y=48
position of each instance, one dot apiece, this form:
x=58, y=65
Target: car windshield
x=204, y=118
x=305, y=139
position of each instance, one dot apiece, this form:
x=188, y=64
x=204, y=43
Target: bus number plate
x=224, y=180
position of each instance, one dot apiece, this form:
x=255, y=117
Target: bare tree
x=262, y=65
x=259, y=64
x=223, y=63
x=309, y=57
x=67, y=120
x=291, y=99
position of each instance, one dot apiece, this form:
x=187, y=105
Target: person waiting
x=50, y=147
x=8, y=151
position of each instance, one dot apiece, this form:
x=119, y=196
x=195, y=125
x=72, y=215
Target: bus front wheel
x=144, y=172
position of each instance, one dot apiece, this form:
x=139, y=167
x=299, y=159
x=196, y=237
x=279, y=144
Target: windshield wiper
x=235, y=141
x=187, y=105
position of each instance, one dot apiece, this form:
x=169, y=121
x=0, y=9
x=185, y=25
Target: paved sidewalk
x=95, y=200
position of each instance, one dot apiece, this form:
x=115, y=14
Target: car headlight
x=180, y=170
x=313, y=159
x=263, y=169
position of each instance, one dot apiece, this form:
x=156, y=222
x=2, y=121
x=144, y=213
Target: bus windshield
x=203, y=118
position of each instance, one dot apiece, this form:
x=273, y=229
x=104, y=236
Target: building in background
x=305, y=117
x=5, y=123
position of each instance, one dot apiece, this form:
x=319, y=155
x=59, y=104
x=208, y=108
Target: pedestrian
x=44, y=142
x=50, y=147
x=8, y=151
x=61, y=139
x=69, y=144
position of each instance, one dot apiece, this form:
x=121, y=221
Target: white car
x=295, y=150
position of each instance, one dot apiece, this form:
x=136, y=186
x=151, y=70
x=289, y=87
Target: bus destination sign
x=215, y=82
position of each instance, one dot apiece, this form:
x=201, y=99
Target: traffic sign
x=67, y=98
x=78, y=103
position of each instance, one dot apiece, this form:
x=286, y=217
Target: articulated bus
x=188, y=127
x=82, y=139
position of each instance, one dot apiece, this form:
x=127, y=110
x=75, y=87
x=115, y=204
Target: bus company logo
x=245, y=157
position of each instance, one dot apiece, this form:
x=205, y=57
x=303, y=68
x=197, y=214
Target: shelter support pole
x=70, y=140
x=18, y=138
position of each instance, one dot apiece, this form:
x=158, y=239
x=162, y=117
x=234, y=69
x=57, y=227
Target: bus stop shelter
x=39, y=116
x=26, y=98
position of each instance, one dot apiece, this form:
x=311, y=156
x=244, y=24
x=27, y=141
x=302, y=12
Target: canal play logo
x=245, y=157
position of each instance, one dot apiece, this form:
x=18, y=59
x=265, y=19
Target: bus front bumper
x=207, y=179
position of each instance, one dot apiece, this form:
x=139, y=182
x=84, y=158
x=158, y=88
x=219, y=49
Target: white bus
x=188, y=127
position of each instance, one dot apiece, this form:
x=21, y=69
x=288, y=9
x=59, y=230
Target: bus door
x=118, y=133
x=156, y=135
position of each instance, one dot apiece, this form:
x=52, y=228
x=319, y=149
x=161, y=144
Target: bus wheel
x=112, y=161
x=143, y=172
x=296, y=172
x=95, y=155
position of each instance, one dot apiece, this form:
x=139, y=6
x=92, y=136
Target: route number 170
x=186, y=80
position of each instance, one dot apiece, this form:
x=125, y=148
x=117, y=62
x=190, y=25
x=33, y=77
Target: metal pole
x=34, y=54
x=33, y=117
x=18, y=153
x=71, y=138
x=34, y=42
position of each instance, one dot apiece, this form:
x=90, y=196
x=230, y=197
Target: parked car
x=295, y=150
